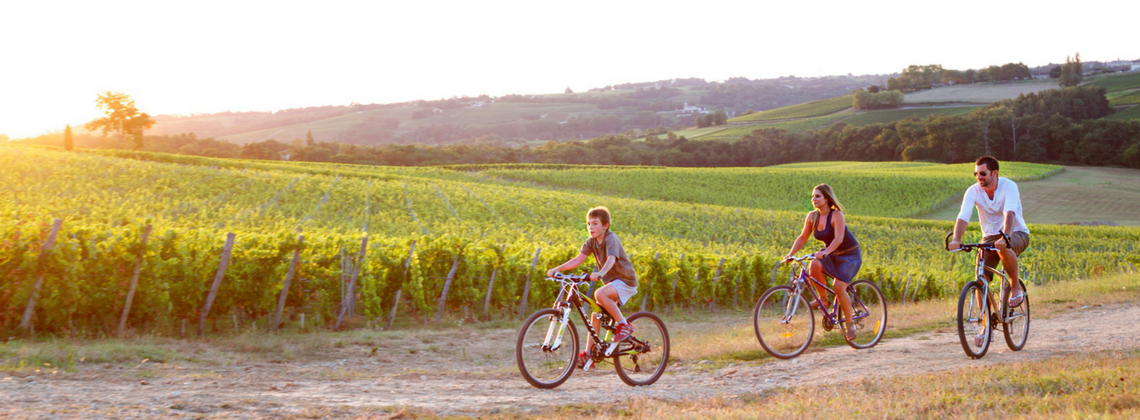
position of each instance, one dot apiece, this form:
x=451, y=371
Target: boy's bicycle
x=548, y=346
x=785, y=322
x=977, y=320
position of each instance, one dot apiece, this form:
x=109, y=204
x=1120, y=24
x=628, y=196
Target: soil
x=483, y=379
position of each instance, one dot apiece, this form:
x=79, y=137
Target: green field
x=1116, y=82
x=1131, y=113
x=1130, y=97
x=884, y=117
x=793, y=126
x=478, y=219
x=809, y=109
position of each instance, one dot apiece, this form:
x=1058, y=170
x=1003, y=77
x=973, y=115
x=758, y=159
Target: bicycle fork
x=553, y=340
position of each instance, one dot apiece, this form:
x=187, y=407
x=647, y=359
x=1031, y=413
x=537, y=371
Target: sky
x=212, y=56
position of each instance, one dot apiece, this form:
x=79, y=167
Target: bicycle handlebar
x=987, y=246
x=577, y=279
x=807, y=257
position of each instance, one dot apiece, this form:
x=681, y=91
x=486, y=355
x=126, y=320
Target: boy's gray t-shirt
x=623, y=267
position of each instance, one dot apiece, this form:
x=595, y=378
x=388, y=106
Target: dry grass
x=1103, y=385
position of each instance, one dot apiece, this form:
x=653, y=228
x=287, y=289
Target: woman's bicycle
x=548, y=346
x=976, y=307
x=785, y=322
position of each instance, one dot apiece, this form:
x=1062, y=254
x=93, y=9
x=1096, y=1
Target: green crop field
x=1129, y=97
x=883, y=117
x=1131, y=113
x=1116, y=82
x=467, y=223
x=809, y=109
x=793, y=126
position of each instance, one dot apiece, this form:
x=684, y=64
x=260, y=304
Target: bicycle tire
x=1015, y=320
x=875, y=322
x=785, y=339
x=967, y=329
x=545, y=368
x=643, y=368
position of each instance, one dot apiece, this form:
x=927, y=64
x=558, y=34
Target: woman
x=840, y=258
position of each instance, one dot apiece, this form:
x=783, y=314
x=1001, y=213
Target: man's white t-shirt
x=991, y=213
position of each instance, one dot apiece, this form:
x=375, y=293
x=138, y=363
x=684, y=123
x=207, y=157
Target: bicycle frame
x=800, y=282
x=980, y=270
x=571, y=297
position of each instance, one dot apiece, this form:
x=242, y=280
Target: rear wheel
x=783, y=321
x=642, y=359
x=1016, y=321
x=545, y=351
x=974, y=320
x=869, y=311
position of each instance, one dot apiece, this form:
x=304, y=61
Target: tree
x=569, y=91
x=122, y=117
x=1071, y=72
x=68, y=140
x=309, y=139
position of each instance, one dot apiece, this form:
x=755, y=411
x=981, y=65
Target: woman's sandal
x=849, y=333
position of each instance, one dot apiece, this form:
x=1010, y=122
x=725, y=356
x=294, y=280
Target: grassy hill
x=809, y=109
x=1077, y=195
x=1116, y=82
x=979, y=92
x=886, y=116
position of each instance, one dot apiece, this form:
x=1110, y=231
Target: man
x=999, y=209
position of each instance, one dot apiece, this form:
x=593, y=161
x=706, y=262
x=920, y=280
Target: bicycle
x=785, y=323
x=546, y=358
x=978, y=319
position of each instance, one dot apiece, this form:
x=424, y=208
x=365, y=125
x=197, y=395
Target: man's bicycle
x=548, y=344
x=979, y=315
x=785, y=322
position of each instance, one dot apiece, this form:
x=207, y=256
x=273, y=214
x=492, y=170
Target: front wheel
x=641, y=360
x=974, y=329
x=546, y=349
x=1016, y=320
x=783, y=321
x=869, y=311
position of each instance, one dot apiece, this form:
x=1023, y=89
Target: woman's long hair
x=832, y=202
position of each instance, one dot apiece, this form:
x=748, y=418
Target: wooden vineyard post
x=526, y=286
x=645, y=296
x=350, y=295
x=673, y=291
x=134, y=283
x=225, y=262
x=26, y=321
x=288, y=280
x=905, y=286
x=491, y=284
x=446, y=285
x=716, y=278
x=736, y=291
x=396, y=301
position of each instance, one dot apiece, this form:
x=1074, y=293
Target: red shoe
x=583, y=359
x=622, y=332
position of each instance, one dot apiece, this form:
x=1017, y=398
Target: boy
x=613, y=264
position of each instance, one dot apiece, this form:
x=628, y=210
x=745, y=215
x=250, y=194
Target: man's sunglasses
x=982, y=173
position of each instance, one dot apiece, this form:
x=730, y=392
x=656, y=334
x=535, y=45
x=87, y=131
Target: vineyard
x=142, y=244
x=808, y=109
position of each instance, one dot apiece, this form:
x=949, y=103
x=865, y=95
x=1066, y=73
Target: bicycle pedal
x=589, y=364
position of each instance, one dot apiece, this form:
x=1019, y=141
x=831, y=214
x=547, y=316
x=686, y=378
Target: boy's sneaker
x=622, y=332
x=583, y=360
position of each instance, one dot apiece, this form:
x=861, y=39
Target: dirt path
x=489, y=382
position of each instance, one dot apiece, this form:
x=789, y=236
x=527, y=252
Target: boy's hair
x=990, y=162
x=601, y=213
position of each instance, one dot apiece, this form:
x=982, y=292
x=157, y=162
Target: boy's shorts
x=625, y=291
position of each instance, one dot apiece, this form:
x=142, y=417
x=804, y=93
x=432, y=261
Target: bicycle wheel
x=973, y=320
x=641, y=360
x=784, y=323
x=1016, y=320
x=869, y=310
x=546, y=366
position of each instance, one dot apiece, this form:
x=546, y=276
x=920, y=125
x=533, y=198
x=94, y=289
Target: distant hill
x=517, y=119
